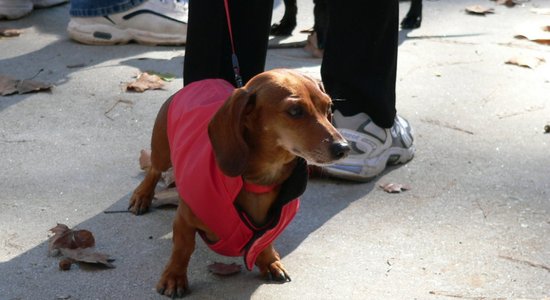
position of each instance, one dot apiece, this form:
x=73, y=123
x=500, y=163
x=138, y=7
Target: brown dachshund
x=239, y=162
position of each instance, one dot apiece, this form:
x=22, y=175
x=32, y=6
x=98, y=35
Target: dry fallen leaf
x=394, y=187
x=479, y=10
x=27, y=86
x=9, y=86
x=509, y=3
x=168, y=178
x=145, y=81
x=536, y=32
x=163, y=76
x=8, y=32
x=167, y=197
x=145, y=159
x=71, y=239
x=526, y=61
x=88, y=256
x=65, y=264
x=224, y=269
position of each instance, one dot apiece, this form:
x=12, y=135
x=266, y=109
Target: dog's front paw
x=173, y=284
x=276, y=272
x=140, y=202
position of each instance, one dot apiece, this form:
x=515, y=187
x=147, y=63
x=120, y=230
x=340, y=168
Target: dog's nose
x=339, y=150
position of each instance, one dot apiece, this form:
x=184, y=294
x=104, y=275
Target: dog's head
x=278, y=110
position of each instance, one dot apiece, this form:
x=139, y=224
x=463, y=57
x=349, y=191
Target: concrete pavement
x=475, y=225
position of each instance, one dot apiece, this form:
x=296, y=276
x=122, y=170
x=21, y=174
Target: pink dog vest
x=206, y=190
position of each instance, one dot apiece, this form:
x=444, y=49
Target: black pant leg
x=360, y=58
x=208, y=48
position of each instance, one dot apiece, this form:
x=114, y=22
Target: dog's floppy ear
x=226, y=134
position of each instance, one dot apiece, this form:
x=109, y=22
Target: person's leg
x=288, y=22
x=413, y=19
x=320, y=25
x=208, y=49
x=359, y=73
x=360, y=61
x=105, y=22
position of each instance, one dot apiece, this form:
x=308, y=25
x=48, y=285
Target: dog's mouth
x=317, y=157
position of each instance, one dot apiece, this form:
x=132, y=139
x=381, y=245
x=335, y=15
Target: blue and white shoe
x=372, y=147
x=154, y=22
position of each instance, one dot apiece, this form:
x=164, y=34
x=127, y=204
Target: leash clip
x=237, y=70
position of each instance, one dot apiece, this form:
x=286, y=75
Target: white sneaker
x=15, y=9
x=154, y=22
x=372, y=147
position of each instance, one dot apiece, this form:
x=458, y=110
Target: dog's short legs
x=270, y=265
x=173, y=282
x=160, y=162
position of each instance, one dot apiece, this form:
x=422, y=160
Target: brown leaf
x=479, y=10
x=27, y=86
x=509, y=3
x=224, y=269
x=65, y=264
x=145, y=159
x=88, y=256
x=60, y=229
x=394, y=187
x=168, y=178
x=9, y=32
x=66, y=238
x=167, y=197
x=526, y=61
x=145, y=81
x=9, y=85
x=536, y=32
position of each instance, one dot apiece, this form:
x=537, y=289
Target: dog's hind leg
x=160, y=162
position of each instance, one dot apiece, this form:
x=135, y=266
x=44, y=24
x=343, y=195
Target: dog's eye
x=296, y=111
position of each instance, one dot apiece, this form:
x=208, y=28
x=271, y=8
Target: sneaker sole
x=376, y=165
x=100, y=34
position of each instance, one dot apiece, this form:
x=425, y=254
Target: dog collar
x=258, y=189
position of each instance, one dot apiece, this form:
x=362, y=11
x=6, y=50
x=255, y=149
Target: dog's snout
x=339, y=150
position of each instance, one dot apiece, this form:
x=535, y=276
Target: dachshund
x=240, y=162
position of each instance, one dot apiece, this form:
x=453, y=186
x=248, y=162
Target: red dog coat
x=206, y=190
